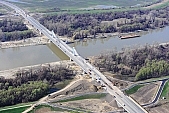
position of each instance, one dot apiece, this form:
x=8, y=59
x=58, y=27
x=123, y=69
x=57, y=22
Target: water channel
x=31, y=55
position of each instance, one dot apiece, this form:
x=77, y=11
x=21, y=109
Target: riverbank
x=11, y=73
x=26, y=42
x=44, y=40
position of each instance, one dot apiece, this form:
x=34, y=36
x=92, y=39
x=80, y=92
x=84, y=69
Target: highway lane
x=128, y=104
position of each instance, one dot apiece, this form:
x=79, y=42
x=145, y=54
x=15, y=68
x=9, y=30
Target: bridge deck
x=128, y=104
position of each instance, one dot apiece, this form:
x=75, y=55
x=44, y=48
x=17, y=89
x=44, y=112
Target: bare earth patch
x=94, y=105
x=43, y=110
x=48, y=110
x=146, y=93
x=164, y=108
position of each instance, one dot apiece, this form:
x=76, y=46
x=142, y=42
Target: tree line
x=136, y=62
x=27, y=92
x=31, y=85
x=7, y=25
x=14, y=30
x=83, y=25
x=153, y=69
x=16, y=35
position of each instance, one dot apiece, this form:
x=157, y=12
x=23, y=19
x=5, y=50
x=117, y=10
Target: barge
x=129, y=36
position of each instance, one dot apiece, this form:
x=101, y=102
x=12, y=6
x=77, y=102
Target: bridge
x=123, y=100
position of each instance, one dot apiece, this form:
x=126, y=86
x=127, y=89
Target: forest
x=14, y=30
x=7, y=25
x=84, y=25
x=153, y=69
x=31, y=86
x=142, y=63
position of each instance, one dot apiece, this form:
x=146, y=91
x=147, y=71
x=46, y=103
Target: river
x=31, y=55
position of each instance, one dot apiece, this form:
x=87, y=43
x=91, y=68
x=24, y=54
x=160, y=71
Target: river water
x=31, y=55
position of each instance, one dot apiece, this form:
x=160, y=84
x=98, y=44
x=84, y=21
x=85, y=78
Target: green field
x=15, y=110
x=165, y=92
x=18, y=108
x=76, y=4
x=17, y=105
x=133, y=89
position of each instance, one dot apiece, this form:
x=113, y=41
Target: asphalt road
x=158, y=93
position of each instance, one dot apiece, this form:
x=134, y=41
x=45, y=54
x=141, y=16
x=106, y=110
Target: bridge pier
x=40, y=33
x=70, y=59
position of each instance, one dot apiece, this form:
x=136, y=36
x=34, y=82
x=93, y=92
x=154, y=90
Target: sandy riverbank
x=11, y=73
x=22, y=43
x=44, y=40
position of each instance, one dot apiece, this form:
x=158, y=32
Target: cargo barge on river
x=129, y=36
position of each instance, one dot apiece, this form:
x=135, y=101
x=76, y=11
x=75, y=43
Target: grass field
x=16, y=110
x=17, y=105
x=133, y=90
x=165, y=92
x=88, y=96
x=75, y=4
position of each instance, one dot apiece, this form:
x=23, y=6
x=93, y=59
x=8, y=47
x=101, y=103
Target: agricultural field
x=77, y=4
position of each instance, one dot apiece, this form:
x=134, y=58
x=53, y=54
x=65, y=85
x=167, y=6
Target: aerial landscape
x=84, y=56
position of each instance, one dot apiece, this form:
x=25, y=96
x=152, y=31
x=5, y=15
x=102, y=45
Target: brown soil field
x=162, y=107
x=146, y=93
x=48, y=110
x=93, y=105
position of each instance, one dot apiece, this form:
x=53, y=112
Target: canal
x=31, y=55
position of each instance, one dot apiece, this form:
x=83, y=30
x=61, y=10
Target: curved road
x=158, y=93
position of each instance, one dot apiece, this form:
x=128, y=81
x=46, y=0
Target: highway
x=124, y=101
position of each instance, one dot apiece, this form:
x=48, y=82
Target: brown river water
x=31, y=55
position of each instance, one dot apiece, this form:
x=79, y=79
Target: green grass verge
x=88, y=96
x=17, y=105
x=133, y=90
x=165, y=92
x=15, y=110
